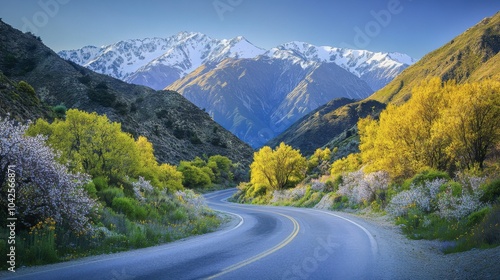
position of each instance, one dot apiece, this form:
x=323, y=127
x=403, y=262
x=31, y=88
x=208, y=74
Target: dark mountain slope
x=19, y=101
x=259, y=98
x=176, y=127
x=327, y=122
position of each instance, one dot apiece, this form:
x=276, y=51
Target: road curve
x=262, y=242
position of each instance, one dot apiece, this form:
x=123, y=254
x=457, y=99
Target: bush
x=360, y=187
x=124, y=205
x=90, y=189
x=425, y=176
x=60, y=111
x=491, y=191
x=100, y=182
x=477, y=216
x=109, y=194
x=129, y=207
x=193, y=176
x=488, y=230
x=423, y=197
x=26, y=88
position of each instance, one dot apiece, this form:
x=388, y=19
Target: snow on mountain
x=376, y=68
x=158, y=62
x=147, y=61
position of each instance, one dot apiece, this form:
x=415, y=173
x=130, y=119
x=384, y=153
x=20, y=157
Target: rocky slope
x=259, y=98
x=176, y=127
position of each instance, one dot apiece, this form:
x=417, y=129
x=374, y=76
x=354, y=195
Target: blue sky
x=415, y=27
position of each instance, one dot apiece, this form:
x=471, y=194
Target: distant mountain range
x=158, y=62
x=254, y=93
x=178, y=129
x=472, y=56
x=259, y=98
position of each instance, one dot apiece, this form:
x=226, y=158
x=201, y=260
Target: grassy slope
x=471, y=56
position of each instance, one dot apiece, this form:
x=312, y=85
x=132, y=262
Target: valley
x=189, y=157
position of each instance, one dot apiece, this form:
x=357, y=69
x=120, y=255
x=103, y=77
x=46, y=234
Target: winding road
x=262, y=242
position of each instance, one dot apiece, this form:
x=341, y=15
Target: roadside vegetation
x=432, y=164
x=83, y=187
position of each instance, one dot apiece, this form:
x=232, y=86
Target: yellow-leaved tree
x=90, y=143
x=471, y=121
x=441, y=125
x=278, y=169
x=160, y=175
x=93, y=144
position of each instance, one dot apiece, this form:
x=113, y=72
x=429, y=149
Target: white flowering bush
x=423, y=196
x=142, y=188
x=193, y=202
x=360, y=187
x=44, y=188
x=288, y=194
x=428, y=197
x=317, y=185
x=454, y=208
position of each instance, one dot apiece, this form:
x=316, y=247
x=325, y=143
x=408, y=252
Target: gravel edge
x=403, y=258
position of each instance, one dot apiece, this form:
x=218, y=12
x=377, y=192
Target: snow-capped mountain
x=254, y=93
x=259, y=98
x=375, y=68
x=158, y=62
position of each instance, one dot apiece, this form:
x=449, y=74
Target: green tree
x=194, y=176
x=221, y=167
x=279, y=169
x=90, y=143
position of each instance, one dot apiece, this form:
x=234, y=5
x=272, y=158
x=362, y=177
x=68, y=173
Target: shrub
x=90, y=189
x=193, y=176
x=453, y=207
x=25, y=87
x=45, y=188
x=488, y=230
x=141, y=188
x=477, y=216
x=100, y=182
x=491, y=191
x=129, y=207
x=360, y=188
x=426, y=176
x=423, y=197
x=60, y=111
x=318, y=186
x=109, y=194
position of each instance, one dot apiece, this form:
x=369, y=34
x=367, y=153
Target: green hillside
x=469, y=57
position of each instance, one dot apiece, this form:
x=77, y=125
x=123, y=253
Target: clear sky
x=415, y=27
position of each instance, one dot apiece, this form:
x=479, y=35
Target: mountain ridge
x=177, y=128
x=376, y=67
x=464, y=59
x=258, y=98
x=471, y=56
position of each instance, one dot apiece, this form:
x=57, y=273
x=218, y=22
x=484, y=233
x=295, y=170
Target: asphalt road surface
x=261, y=242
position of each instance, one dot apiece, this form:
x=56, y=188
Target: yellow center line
x=296, y=228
